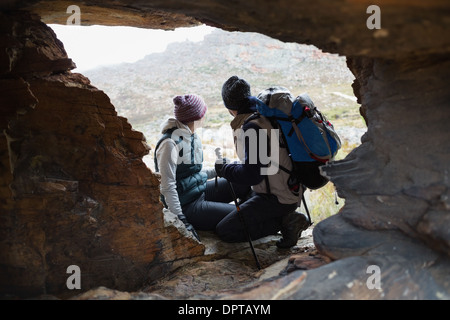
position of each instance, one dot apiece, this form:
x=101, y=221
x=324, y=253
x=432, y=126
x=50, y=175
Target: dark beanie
x=235, y=92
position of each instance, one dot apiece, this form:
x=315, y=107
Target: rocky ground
x=225, y=269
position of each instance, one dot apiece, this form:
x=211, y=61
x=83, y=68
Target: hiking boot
x=292, y=226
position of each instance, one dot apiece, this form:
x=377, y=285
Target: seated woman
x=185, y=189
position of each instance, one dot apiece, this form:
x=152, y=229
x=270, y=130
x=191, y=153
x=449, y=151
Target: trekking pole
x=306, y=208
x=238, y=209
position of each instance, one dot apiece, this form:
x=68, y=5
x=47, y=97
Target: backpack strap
x=167, y=134
x=274, y=124
x=293, y=120
x=255, y=115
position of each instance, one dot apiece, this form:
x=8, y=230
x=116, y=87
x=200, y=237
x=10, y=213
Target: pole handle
x=219, y=157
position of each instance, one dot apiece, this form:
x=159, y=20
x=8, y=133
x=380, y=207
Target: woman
x=185, y=188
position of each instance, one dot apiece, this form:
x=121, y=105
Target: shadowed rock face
x=74, y=189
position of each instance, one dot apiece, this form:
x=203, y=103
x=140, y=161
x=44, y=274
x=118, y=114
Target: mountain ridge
x=143, y=91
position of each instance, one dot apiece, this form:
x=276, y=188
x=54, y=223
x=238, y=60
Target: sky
x=94, y=46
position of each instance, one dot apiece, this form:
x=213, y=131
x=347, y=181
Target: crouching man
x=272, y=206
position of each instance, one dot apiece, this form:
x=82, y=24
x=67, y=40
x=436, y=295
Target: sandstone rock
x=98, y=14
x=337, y=26
x=26, y=54
x=227, y=268
x=103, y=293
x=74, y=188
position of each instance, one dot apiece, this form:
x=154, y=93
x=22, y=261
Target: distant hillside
x=143, y=91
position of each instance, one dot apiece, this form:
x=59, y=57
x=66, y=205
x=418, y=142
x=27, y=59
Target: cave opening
x=75, y=191
x=143, y=80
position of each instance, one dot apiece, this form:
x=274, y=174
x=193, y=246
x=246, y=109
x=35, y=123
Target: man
x=273, y=206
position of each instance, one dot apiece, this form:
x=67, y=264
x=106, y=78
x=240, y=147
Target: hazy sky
x=93, y=46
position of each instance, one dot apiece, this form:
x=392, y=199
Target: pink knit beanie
x=189, y=107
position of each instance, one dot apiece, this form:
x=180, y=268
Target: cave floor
x=227, y=268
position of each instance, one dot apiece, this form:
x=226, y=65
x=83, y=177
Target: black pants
x=215, y=210
x=213, y=205
x=262, y=214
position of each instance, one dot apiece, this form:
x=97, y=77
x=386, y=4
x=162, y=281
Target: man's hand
x=219, y=166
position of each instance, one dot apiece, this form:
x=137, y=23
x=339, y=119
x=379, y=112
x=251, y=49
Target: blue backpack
x=310, y=138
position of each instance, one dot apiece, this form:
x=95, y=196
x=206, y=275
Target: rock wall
x=74, y=189
x=73, y=185
x=399, y=175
